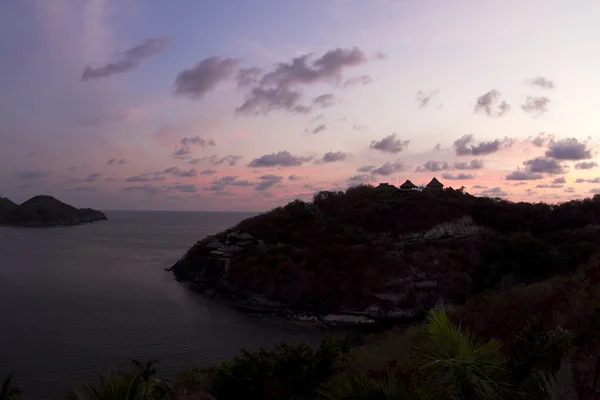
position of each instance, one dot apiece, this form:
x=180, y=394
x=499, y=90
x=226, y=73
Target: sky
x=247, y=105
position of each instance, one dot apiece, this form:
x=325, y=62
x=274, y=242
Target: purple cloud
x=279, y=159
x=535, y=105
x=586, y=165
x=280, y=88
x=127, y=59
x=542, y=82
x=458, y=177
x=204, y=77
x=390, y=167
x=333, y=156
x=545, y=165
x=390, y=144
x=473, y=164
x=466, y=146
x=268, y=181
x=176, y=171
x=520, y=175
x=569, y=149
x=325, y=100
x=423, y=98
x=488, y=103
x=433, y=166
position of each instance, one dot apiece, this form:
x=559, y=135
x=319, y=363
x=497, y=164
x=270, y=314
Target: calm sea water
x=78, y=300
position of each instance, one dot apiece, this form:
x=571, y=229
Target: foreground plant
x=456, y=364
x=8, y=390
x=353, y=387
x=141, y=384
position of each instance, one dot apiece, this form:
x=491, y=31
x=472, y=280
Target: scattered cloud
x=333, y=156
x=188, y=144
x=545, y=165
x=423, y=98
x=279, y=159
x=595, y=180
x=324, y=101
x=473, y=164
x=390, y=144
x=93, y=177
x=494, y=192
x=579, y=180
x=33, y=174
x=248, y=77
x=204, y=77
x=365, y=168
x=268, y=181
x=296, y=177
x=281, y=87
x=360, y=178
x=570, y=190
x=176, y=171
x=541, y=140
x=208, y=172
x=535, y=105
x=466, y=145
x=390, y=167
x=542, y=82
x=319, y=128
x=479, y=187
x=559, y=180
x=113, y=161
x=361, y=80
x=231, y=160
x=128, y=59
x=147, y=189
x=187, y=188
x=458, y=177
x=520, y=175
x=548, y=186
x=595, y=191
x=434, y=166
x=358, y=127
x=147, y=177
x=586, y=165
x=224, y=193
x=489, y=104
x=569, y=149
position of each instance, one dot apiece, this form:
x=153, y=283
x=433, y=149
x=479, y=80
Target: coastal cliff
x=45, y=211
x=373, y=255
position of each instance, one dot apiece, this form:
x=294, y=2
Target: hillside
x=387, y=254
x=45, y=211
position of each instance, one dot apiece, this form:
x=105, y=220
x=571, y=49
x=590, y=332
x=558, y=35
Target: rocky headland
x=378, y=257
x=45, y=211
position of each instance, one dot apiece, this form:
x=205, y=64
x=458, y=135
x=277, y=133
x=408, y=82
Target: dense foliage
x=342, y=248
x=451, y=363
x=45, y=210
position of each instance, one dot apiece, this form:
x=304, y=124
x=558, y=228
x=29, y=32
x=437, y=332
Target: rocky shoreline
x=206, y=265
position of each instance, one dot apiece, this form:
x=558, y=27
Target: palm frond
x=455, y=363
x=355, y=387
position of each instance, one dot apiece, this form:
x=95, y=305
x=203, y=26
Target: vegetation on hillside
x=342, y=249
x=45, y=211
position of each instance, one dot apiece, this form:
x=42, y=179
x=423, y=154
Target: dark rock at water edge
x=45, y=211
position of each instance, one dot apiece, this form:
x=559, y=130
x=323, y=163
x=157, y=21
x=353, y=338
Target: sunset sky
x=248, y=104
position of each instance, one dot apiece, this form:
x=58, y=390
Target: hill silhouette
x=45, y=211
x=385, y=253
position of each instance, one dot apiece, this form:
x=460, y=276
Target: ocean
x=75, y=301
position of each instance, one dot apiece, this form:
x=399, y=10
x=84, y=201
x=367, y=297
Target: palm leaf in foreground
x=455, y=364
x=9, y=391
x=355, y=387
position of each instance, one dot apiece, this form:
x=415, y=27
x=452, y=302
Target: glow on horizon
x=156, y=88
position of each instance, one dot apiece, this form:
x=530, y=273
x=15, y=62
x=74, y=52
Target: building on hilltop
x=435, y=185
x=408, y=186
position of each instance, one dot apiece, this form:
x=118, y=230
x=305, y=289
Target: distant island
x=383, y=254
x=45, y=211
